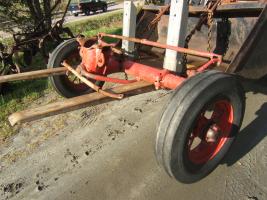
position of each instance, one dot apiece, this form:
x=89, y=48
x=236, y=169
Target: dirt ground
x=107, y=152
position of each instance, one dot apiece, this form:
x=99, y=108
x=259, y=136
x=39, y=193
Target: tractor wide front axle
x=101, y=59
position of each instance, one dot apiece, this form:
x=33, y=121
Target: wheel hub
x=210, y=132
x=213, y=134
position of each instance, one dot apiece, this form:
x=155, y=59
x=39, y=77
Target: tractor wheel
x=68, y=85
x=199, y=125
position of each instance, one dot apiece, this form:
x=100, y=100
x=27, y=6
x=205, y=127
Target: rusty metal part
x=32, y=41
x=90, y=84
x=205, y=17
x=117, y=51
x=76, y=103
x=229, y=1
x=81, y=40
x=211, y=9
x=162, y=11
x=210, y=23
x=207, y=65
x=33, y=74
x=165, y=46
x=229, y=10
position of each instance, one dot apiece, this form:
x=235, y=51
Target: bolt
x=213, y=133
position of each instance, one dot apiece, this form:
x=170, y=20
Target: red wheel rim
x=211, y=131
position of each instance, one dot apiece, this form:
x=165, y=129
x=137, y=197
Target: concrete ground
x=107, y=152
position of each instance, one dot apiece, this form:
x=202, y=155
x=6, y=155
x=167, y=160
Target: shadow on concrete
x=251, y=135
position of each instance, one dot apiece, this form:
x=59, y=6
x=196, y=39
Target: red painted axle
x=106, y=79
x=99, y=60
x=160, y=78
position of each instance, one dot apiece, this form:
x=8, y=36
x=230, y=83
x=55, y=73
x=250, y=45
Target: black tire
x=61, y=83
x=87, y=12
x=105, y=8
x=180, y=116
x=76, y=14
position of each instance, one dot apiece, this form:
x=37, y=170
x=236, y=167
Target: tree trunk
x=47, y=13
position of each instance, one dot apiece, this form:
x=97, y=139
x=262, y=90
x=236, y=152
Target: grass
x=107, y=20
x=18, y=95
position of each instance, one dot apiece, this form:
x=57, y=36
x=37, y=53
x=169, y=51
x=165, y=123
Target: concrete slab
x=107, y=152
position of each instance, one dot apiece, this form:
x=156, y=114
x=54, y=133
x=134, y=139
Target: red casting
x=210, y=133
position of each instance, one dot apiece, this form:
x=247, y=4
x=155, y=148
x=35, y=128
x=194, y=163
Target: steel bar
x=164, y=46
x=90, y=84
x=207, y=65
x=238, y=9
x=76, y=103
x=33, y=74
x=104, y=78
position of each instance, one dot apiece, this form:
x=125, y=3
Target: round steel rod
x=163, y=46
x=90, y=84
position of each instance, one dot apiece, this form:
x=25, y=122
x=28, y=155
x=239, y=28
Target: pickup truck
x=87, y=6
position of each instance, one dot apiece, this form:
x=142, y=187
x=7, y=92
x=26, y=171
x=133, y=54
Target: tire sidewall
x=186, y=112
x=58, y=82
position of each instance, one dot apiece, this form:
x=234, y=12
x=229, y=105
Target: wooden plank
x=76, y=103
x=33, y=74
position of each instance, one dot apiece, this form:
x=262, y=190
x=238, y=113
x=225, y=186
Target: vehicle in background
x=74, y=9
x=87, y=6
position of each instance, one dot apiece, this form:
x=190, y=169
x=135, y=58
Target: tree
x=29, y=15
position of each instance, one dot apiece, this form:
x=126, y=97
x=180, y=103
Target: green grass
x=18, y=95
x=107, y=20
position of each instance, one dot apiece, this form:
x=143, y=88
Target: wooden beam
x=33, y=74
x=76, y=103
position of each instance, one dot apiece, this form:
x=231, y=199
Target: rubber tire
x=104, y=9
x=180, y=113
x=87, y=12
x=55, y=60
